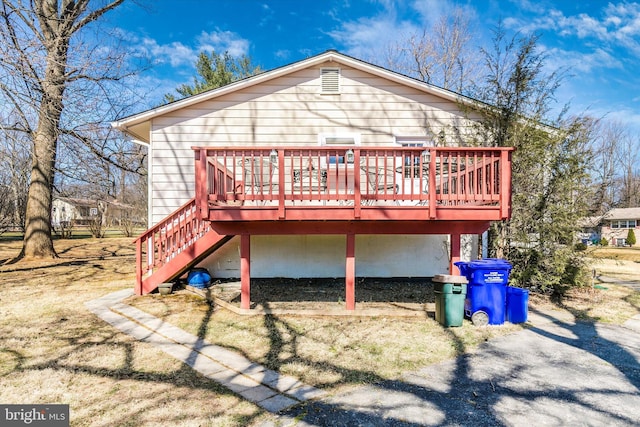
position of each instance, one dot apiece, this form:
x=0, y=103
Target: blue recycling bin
x=487, y=290
x=517, y=304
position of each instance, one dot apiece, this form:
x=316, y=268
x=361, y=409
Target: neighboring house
x=327, y=167
x=68, y=212
x=615, y=225
x=590, y=230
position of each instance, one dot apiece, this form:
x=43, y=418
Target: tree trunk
x=38, y=242
x=37, y=237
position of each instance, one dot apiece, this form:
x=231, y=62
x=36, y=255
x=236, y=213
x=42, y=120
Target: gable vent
x=330, y=80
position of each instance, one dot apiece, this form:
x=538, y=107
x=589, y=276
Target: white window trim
x=617, y=224
x=414, y=141
x=322, y=141
x=323, y=137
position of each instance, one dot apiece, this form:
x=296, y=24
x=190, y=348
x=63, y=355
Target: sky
x=596, y=41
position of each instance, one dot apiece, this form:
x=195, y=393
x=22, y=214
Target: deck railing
x=428, y=177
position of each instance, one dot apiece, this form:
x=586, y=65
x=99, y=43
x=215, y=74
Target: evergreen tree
x=631, y=237
x=549, y=166
x=214, y=71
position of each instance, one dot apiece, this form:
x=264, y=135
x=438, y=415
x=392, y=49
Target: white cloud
x=175, y=53
x=366, y=37
x=628, y=117
x=617, y=25
x=530, y=6
x=222, y=41
x=431, y=10
x=284, y=54
x=582, y=62
x=179, y=54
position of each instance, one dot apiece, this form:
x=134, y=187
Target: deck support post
x=455, y=253
x=245, y=271
x=350, y=272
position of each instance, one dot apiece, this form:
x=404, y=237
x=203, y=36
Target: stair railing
x=162, y=242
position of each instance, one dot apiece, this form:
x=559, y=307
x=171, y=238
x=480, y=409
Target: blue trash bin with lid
x=487, y=290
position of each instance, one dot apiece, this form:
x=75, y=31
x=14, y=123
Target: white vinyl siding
x=292, y=110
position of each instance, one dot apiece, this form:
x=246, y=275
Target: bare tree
x=628, y=159
x=605, y=143
x=54, y=72
x=14, y=179
x=440, y=55
x=615, y=170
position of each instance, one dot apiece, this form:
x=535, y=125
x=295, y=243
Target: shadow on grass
x=107, y=341
x=469, y=390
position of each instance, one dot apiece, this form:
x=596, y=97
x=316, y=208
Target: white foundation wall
x=324, y=256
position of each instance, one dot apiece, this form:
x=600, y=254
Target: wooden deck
x=353, y=183
x=326, y=190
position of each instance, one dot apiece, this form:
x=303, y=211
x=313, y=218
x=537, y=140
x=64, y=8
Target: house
x=589, y=233
x=327, y=167
x=615, y=225
x=67, y=212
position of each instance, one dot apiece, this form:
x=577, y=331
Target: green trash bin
x=450, y=294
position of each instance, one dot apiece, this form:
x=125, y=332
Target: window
x=338, y=140
x=624, y=223
x=414, y=141
x=330, y=80
x=414, y=157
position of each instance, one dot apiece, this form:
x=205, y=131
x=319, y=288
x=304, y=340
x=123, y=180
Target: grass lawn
x=53, y=350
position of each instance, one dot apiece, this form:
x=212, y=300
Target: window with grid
x=624, y=223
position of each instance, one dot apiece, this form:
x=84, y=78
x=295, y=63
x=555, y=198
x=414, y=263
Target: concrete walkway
x=266, y=388
x=633, y=284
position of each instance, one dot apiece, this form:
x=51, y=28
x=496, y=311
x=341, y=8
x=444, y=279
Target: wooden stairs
x=174, y=246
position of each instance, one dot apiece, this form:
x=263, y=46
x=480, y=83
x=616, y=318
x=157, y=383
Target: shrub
x=604, y=242
x=631, y=237
x=547, y=275
x=580, y=246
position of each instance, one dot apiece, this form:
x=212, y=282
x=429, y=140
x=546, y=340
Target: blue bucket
x=199, y=278
x=517, y=304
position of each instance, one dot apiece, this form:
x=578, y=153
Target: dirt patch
x=329, y=293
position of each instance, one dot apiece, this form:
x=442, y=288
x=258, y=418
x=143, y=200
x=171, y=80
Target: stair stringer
x=185, y=260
